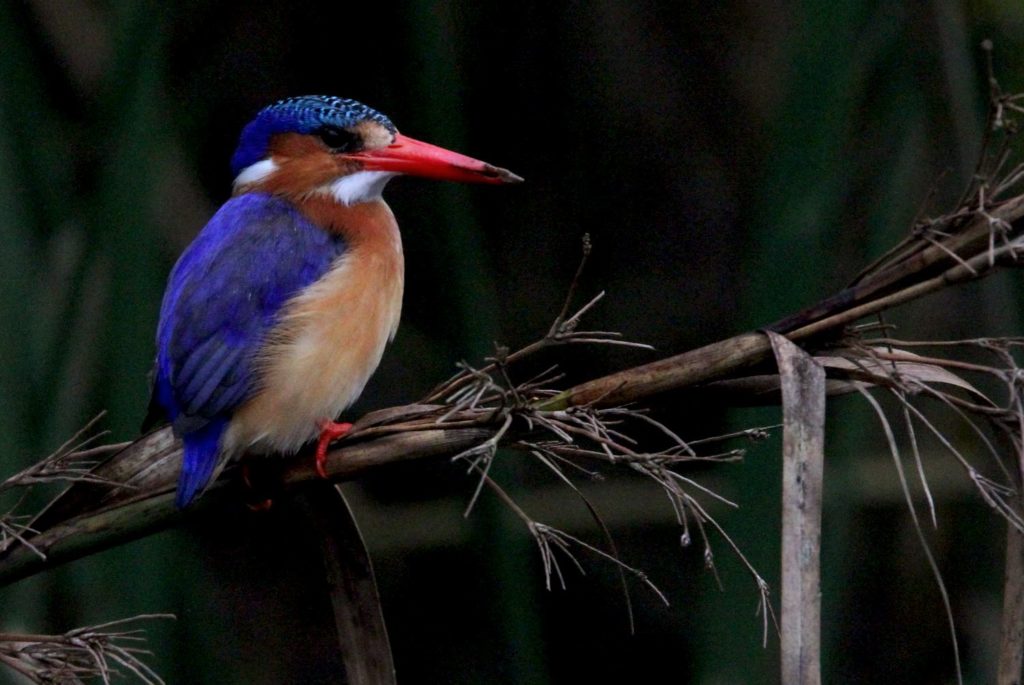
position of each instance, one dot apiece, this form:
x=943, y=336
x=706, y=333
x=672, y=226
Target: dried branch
x=107, y=516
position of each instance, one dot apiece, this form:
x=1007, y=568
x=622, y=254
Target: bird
x=278, y=312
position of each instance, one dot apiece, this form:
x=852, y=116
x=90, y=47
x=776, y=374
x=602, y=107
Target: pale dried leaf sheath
x=921, y=371
x=1011, y=643
x=803, y=456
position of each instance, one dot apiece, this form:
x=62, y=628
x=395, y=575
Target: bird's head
x=317, y=144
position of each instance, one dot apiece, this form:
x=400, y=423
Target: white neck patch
x=362, y=186
x=254, y=173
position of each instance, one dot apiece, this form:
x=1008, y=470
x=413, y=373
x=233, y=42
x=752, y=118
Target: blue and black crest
x=302, y=114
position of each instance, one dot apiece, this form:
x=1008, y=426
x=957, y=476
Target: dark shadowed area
x=730, y=161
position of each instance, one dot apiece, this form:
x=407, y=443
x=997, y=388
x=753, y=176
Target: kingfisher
x=277, y=314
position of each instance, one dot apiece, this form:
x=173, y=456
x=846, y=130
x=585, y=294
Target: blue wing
x=223, y=297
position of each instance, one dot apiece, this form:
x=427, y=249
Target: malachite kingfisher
x=278, y=312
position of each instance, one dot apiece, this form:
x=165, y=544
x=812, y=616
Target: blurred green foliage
x=732, y=163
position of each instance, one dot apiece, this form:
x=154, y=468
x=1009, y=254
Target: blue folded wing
x=223, y=297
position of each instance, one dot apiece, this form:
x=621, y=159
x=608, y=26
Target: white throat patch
x=362, y=186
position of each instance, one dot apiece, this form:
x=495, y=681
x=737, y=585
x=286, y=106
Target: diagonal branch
x=96, y=517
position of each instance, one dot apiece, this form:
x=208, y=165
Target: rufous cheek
x=303, y=165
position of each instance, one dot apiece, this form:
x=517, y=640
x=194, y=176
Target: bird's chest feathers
x=331, y=336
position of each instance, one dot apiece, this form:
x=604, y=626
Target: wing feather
x=224, y=297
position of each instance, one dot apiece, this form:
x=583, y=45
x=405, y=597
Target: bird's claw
x=329, y=432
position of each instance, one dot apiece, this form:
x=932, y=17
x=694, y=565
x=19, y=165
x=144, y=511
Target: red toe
x=329, y=432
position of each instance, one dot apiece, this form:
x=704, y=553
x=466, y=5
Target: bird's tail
x=203, y=461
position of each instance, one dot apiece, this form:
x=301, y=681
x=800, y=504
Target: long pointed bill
x=415, y=158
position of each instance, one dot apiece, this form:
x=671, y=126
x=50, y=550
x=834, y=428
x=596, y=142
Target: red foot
x=262, y=505
x=329, y=431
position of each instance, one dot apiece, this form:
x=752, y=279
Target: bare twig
x=894, y=450
x=563, y=331
x=73, y=461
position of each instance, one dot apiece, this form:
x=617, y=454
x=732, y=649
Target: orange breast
x=331, y=337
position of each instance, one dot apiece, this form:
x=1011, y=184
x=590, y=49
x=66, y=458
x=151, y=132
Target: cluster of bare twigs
x=993, y=179
x=886, y=363
x=73, y=461
x=95, y=652
x=579, y=441
x=981, y=233
x=943, y=377
x=566, y=431
x=468, y=386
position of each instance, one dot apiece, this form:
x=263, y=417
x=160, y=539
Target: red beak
x=409, y=156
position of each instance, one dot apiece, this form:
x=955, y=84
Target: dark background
x=732, y=162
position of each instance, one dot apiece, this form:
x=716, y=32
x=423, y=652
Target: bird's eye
x=339, y=139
